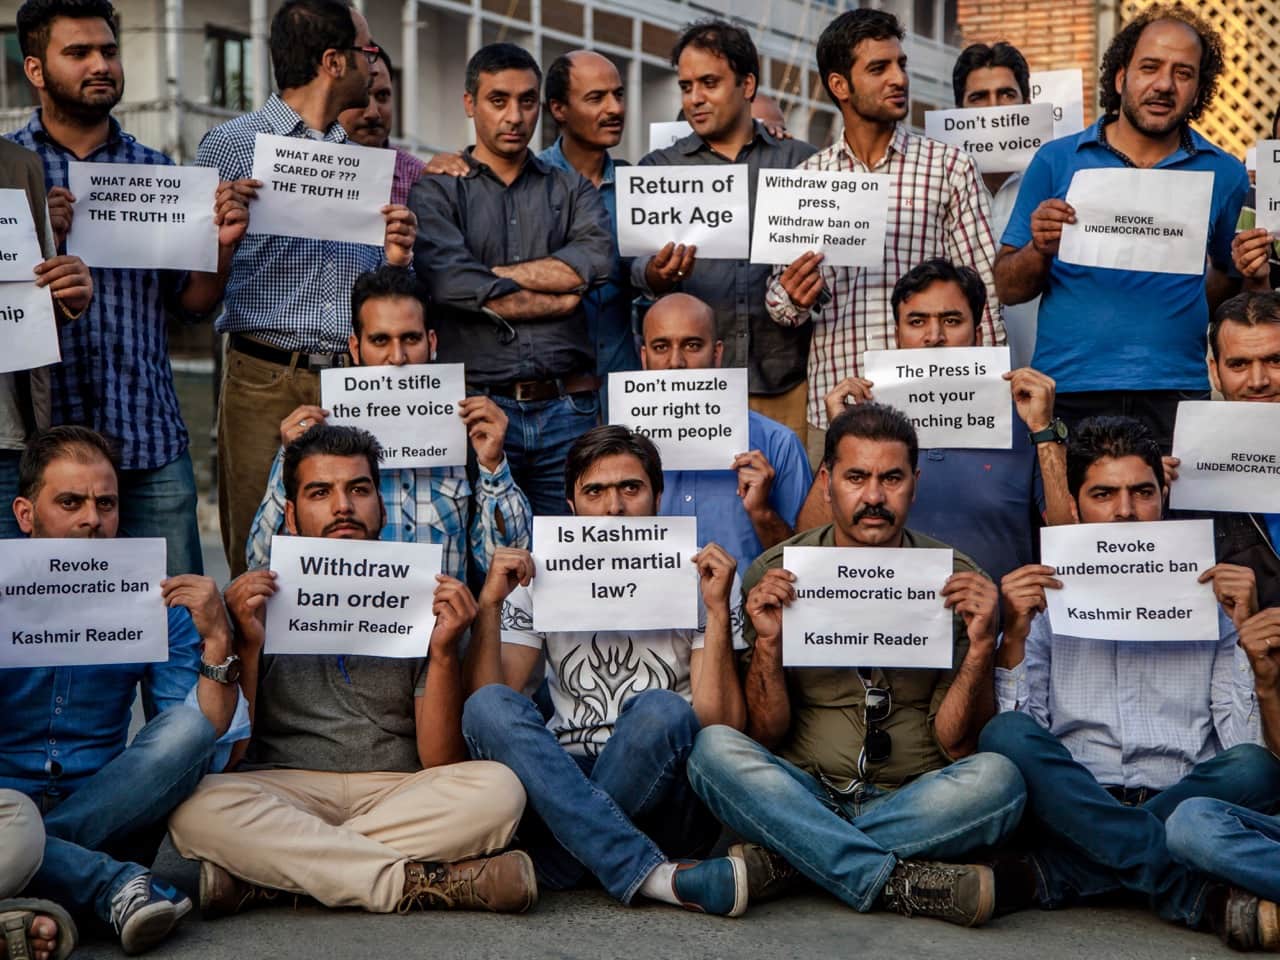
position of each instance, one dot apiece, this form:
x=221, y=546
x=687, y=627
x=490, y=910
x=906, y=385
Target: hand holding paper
x=765, y=604
x=455, y=610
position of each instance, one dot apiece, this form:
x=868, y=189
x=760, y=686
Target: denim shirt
x=64, y=724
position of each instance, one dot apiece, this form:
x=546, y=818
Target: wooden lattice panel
x=1250, y=87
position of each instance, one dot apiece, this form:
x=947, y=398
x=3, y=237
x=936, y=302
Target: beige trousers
x=344, y=838
x=787, y=408
x=21, y=842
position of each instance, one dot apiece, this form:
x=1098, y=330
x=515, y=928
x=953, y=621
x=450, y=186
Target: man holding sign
x=66, y=727
x=355, y=788
x=1101, y=323
x=468, y=518
x=874, y=768
x=1111, y=735
x=605, y=776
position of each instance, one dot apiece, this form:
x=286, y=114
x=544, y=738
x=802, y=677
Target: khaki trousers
x=256, y=395
x=787, y=408
x=815, y=446
x=21, y=842
x=344, y=838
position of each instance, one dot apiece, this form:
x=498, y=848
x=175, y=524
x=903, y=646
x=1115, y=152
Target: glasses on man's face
x=370, y=52
x=876, y=743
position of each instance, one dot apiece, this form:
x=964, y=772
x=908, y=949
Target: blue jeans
x=9, y=529
x=850, y=845
x=162, y=503
x=98, y=839
x=539, y=435
x=1235, y=844
x=617, y=815
x=1088, y=843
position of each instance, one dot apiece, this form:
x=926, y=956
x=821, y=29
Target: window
x=14, y=89
x=925, y=19
x=227, y=59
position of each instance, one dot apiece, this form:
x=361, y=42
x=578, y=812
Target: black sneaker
x=144, y=912
x=769, y=876
x=958, y=893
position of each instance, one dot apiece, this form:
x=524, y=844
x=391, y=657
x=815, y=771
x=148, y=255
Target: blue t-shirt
x=712, y=495
x=1104, y=329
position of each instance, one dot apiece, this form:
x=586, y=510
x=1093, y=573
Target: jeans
x=539, y=435
x=9, y=529
x=162, y=503
x=1155, y=408
x=98, y=839
x=1235, y=844
x=849, y=845
x=1088, y=843
x=618, y=815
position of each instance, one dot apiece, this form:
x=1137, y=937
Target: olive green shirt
x=827, y=726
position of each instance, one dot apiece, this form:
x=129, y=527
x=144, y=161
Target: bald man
x=752, y=504
x=586, y=98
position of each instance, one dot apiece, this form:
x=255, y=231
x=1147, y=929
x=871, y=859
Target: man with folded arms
x=355, y=787
x=854, y=774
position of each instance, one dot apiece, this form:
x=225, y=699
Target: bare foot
x=43, y=938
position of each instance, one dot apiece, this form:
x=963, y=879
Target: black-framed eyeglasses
x=877, y=745
x=370, y=52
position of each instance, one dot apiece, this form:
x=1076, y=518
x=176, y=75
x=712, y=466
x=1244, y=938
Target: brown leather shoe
x=504, y=884
x=1246, y=922
x=222, y=894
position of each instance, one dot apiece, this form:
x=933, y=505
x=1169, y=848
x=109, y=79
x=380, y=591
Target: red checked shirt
x=937, y=208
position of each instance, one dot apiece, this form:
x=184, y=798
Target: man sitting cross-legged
x=354, y=787
x=605, y=776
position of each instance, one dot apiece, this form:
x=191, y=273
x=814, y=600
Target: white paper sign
x=1149, y=220
x=78, y=602
x=412, y=410
x=1000, y=139
x=1131, y=581
x=1267, y=180
x=841, y=215
x=663, y=135
x=1230, y=455
x=1251, y=159
x=365, y=597
x=20, y=251
x=320, y=190
x=144, y=216
x=1065, y=90
x=27, y=328
x=612, y=573
x=954, y=396
x=707, y=204
x=696, y=418
x=867, y=607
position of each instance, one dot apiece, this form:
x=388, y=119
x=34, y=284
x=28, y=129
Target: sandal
x=15, y=924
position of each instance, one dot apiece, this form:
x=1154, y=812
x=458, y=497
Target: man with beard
x=286, y=297
x=938, y=208
x=1098, y=326
x=372, y=125
x=115, y=372
x=63, y=743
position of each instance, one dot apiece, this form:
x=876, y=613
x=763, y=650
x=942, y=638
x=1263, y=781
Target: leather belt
x=532, y=391
x=303, y=361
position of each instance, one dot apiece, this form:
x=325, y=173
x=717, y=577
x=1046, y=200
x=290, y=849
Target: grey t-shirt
x=336, y=714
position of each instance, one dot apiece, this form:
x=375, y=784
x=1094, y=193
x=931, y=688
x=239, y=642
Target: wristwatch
x=1056, y=432
x=226, y=672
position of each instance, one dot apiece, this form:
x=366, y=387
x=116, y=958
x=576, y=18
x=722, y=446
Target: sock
x=657, y=885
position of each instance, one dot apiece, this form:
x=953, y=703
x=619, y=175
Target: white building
x=191, y=63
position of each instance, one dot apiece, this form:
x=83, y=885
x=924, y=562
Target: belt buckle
x=322, y=361
x=525, y=391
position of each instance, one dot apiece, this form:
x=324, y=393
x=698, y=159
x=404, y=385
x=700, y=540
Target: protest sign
x=1230, y=455
x=1251, y=159
x=78, y=602
x=663, y=135
x=20, y=251
x=614, y=573
x=1131, y=581
x=955, y=396
x=412, y=410
x=1267, y=181
x=1065, y=90
x=27, y=328
x=321, y=190
x=365, y=597
x=841, y=215
x=696, y=418
x=706, y=204
x=1126, y=219
x=144, y=216
x=1000, y=139
x=860, y=607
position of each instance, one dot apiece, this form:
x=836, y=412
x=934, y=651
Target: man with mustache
x=859, y=777
x=1097, y=326
x=507, y=252
x=371, y=126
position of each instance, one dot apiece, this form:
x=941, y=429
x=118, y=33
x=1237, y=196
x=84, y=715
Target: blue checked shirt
x=115, y=375
x=424, y=505
x=1137, y=713
x=292, y=293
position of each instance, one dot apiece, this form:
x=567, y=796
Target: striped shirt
x=115, y=375
x=937, y=208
